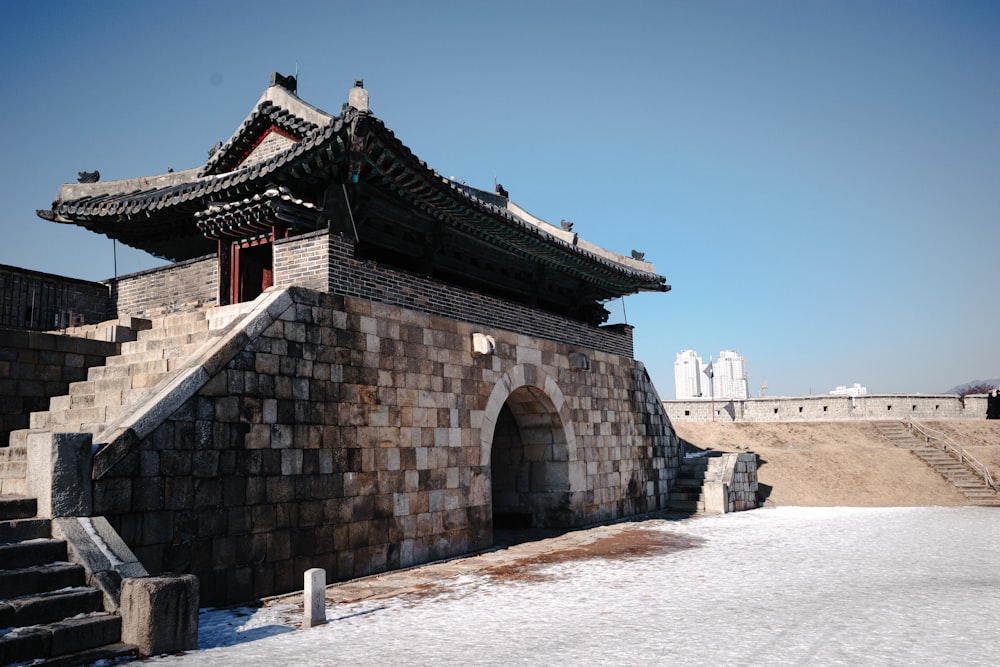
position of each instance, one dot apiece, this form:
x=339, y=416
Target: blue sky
x=819, y=181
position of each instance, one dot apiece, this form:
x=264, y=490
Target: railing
x=947, y=444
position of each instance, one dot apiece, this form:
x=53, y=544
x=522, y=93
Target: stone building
x=352, y=363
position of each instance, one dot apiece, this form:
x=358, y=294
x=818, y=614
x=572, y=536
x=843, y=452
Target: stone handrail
x=947, y=443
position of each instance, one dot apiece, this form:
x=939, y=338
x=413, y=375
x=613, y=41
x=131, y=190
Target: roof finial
x=358, y=97
x=289, y=83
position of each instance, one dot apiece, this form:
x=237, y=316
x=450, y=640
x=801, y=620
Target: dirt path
x=826, y=464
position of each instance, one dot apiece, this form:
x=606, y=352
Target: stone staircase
x=687, y=495
x=48, y=614
x=965, y=480
x=126, y=379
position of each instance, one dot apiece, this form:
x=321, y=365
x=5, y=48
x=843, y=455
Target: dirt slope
x=845, y=463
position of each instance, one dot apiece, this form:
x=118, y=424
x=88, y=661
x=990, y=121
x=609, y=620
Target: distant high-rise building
x=688, y=375
x=730, y=377
x=856, y=390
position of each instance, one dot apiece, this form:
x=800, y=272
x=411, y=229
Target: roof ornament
x=358, y=97
x=214, y=149
x=88, y=176
x=289, y=83
x=566, y=225
x=501, y=191
x=641, y=256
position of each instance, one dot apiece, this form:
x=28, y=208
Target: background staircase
x=687, y=495
x=965, y=480
x=48, y=615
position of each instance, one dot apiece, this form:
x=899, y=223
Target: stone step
x=109, y=654
x=71, y=635
x=189, y=316
x=135, y=358
x=13, y=467
x=107, y=372
x=17, y=507
x=683, y=495
x=35, y=552
x=686, y=505
x=157, y=345
x=222, y=316
x=55, y=421
x=40, y=578
x=13, y=486
x=19, y=530
x=50, y=606
x=18, y=438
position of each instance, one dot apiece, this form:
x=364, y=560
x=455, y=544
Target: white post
x=314, y=589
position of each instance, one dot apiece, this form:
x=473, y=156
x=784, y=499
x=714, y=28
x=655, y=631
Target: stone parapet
x=829, y=408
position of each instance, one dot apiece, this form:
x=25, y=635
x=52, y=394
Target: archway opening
x=530, y=464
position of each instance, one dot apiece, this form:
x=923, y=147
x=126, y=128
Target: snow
x=792, y=586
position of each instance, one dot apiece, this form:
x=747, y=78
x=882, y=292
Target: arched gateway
x=528, y=442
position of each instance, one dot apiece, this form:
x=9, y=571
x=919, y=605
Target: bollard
x=314, y=590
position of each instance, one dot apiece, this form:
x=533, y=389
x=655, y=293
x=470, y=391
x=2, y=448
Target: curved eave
x=411, y=179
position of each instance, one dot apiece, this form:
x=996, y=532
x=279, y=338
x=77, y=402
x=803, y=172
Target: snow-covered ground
x=790, y=586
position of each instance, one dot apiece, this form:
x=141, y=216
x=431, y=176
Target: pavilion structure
x=291, y=168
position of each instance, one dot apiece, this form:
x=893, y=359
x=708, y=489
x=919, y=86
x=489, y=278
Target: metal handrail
x=947, y=443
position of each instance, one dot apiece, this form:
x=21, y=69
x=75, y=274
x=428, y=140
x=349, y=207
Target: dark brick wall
x=177, y=288
x=36, y=366
x=33, y=300
x=302, y=260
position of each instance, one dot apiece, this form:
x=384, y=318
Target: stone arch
x=529, y=446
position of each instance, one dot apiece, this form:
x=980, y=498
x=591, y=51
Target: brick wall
x=182, y=287
x=33, y=300
x=36, y=366
x=302, y=259
x=357, y=436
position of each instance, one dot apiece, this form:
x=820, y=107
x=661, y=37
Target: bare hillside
x=845, y=463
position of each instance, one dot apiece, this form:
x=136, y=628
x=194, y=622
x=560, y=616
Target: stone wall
x=182, y=287
x=359, y=437
x=42, y=302
x=830, y=408
x=740, y=482
x=36, y=366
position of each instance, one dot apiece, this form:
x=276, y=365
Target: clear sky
x=819, y=181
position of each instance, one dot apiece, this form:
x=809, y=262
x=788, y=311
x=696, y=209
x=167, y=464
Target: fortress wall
x=360, y=437
x=34, y=301
x=830, y=408
x=35, y=366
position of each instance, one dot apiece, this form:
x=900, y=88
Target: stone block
x=160, y=614
x=59, y=473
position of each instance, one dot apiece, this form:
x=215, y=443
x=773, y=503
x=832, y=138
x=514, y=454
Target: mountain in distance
x=962, y=387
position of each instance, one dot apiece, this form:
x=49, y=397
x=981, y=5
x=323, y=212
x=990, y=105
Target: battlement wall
x=830, y=408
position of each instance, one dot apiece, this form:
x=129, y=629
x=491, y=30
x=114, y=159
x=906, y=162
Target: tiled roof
x=161, y=214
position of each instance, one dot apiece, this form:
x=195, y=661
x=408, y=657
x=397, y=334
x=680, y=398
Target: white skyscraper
x=688, y=376
x=730, y=377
